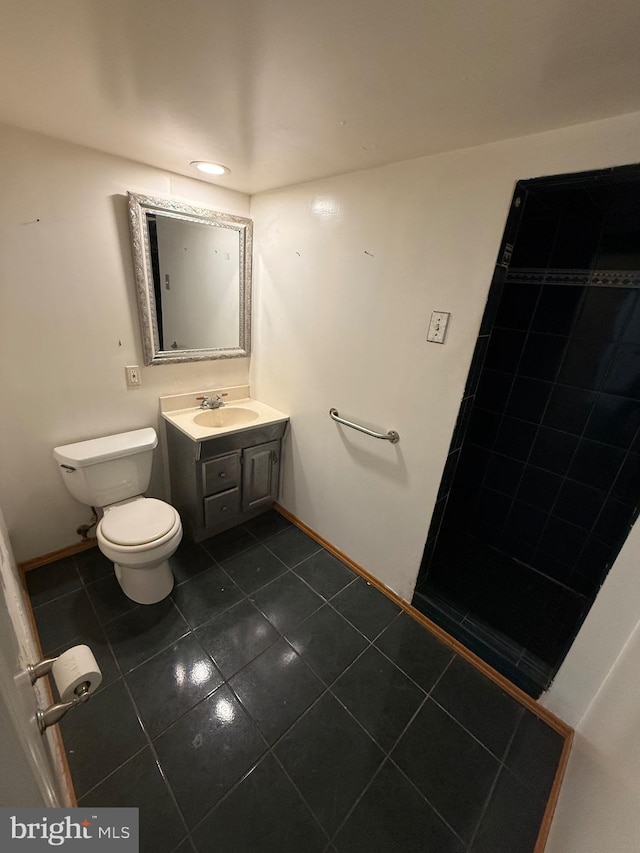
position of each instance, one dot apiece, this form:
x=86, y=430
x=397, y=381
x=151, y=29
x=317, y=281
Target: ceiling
x=283, y=91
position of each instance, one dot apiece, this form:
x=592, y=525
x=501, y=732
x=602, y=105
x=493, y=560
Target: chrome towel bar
x=391, y=436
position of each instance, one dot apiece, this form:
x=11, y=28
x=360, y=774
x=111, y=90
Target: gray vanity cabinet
x=222, y=481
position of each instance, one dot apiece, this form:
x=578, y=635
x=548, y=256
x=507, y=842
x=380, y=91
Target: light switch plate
x=438, y=326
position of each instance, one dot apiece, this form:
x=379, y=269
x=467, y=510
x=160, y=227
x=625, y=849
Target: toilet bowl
x=136, y=533
x=139, y=536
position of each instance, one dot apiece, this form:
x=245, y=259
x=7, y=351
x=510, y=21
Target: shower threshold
x=511, y=659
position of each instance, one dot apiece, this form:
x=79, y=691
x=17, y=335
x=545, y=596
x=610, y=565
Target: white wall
x=599, y=806
x=597, y=690
x=69, y=323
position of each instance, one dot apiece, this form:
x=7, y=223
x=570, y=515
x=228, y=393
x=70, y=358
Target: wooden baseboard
x=519, y=695
x=69, y=551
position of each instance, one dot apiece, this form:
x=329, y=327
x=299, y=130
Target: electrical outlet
x=438, y=326
x=132, y=373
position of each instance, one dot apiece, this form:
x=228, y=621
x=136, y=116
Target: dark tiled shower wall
x=578, y=222
x=544, y=465
x=550, y=468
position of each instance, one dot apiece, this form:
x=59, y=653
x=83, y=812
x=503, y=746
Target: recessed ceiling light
x=210, y=168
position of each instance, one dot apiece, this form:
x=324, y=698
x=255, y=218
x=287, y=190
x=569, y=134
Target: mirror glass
x=193, y=280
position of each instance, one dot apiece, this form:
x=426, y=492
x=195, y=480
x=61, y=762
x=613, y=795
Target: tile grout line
x=271, y=751
x=502, y=766
x=468, y=731
x=156, y=758
x=388, y=756
x=397, y=665
x=114, y=771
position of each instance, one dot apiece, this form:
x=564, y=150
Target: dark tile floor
x=277, y=702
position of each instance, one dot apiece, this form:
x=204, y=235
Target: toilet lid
x=138, y=522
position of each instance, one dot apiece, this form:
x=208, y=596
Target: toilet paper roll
x=74, y=667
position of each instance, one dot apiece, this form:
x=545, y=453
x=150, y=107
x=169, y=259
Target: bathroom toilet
x=138, y=534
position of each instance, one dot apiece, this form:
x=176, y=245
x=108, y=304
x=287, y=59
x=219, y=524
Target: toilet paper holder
x=54, y=713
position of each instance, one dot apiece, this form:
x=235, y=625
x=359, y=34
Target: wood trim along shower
x=519, y=695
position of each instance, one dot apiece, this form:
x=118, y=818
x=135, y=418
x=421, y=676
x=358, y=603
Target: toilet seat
x=139, y=524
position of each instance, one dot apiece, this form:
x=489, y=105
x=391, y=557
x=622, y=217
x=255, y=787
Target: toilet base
x=145, y=585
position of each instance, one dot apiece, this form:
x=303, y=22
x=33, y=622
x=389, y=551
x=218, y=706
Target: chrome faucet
x=211, y=402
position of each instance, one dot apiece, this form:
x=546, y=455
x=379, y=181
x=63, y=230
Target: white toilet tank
x=103, y=471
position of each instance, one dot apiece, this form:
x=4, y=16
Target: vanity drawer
x=218, y=508
x=221, y=474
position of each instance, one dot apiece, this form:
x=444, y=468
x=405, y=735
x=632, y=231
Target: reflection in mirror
x=193, y=279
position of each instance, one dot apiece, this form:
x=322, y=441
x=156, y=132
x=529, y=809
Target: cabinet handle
x=274, y=457
x=223, y=509
x=222, y=475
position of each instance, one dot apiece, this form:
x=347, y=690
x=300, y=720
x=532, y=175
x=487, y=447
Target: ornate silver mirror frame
x=140, y=207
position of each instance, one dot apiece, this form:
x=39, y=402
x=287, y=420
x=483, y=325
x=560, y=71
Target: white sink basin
x=241, y=412
x=225, y=417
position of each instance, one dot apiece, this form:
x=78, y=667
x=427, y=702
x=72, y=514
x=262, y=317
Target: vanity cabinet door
x=221, y=473
x=260, y=474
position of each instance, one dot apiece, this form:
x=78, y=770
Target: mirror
x=193, y=280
